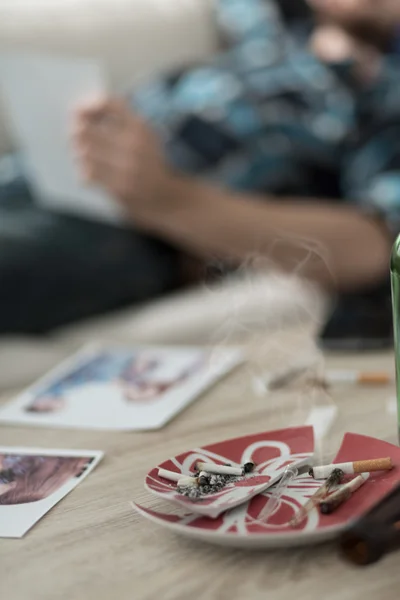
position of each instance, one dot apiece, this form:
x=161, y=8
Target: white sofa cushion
x=133, y=38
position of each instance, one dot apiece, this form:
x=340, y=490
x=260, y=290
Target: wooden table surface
x=92, y=546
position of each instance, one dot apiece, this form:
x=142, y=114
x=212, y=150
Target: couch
x=135, y=39
x=132, y=38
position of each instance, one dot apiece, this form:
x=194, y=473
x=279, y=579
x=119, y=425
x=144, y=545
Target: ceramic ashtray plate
x=241, y=526
x=272, y=452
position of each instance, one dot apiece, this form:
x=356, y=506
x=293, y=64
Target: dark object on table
x=376, y=534
x=360, y=322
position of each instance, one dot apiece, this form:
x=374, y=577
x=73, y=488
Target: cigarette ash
x=207, y=486
x=212, y=483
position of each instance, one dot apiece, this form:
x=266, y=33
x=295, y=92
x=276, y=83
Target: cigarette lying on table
x=360, y=377
x=336, y=499
x=331, y=377
x=351, y=468
x=334, y=479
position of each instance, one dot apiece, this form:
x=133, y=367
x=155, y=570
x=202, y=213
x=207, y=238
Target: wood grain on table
x=92, y=546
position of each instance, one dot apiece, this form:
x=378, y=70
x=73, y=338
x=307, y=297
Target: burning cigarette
x=331, y=377
x=188, y=482
x=333, y=480
x=350, y=468
x=219, y=469
x=336, y=499
x=171, y=475
x=360, y=377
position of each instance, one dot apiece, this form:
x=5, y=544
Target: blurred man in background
x=290, y=138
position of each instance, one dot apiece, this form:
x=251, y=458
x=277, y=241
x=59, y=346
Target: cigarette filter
x=374, y=378
x=188, y=482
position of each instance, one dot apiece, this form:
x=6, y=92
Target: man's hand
x=117, y=150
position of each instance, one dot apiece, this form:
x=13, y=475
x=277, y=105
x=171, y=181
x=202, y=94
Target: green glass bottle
x=395, y=280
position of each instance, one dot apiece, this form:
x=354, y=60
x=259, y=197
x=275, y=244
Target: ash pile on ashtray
x=206, y=481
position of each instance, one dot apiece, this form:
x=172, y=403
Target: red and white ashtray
x=229, y=519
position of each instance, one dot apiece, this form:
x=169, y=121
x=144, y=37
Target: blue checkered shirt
x=266, y=116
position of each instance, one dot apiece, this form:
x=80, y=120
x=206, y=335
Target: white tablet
x=39, y=94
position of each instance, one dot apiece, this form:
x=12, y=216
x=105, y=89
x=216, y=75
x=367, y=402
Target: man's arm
x=348, y=250
x=351, y=250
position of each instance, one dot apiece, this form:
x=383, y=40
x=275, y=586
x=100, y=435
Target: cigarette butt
x=204, y=478
x=336, y=499
x=170, y=475
x=219, y=469
x=188, y=482
x=248, y=467
x=350, y=468
x=377, y=464
x=332, y=502
x=334, y=479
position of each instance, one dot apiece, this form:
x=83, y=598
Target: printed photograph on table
x=120, y=388
x=33, y=480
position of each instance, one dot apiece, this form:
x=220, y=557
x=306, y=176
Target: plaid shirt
x=267, y=116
